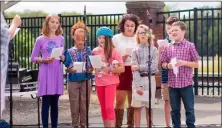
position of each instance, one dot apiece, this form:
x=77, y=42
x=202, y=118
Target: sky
x=96, y=7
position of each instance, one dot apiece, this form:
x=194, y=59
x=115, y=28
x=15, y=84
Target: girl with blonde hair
x=141, y=71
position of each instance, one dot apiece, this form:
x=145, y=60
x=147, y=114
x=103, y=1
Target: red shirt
x=183, y=50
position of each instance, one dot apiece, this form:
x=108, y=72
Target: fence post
x=195, y=42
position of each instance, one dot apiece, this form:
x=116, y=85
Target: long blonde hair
x=45, y=28
x=148, y=31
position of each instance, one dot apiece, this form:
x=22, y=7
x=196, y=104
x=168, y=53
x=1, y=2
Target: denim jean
x=187, y=96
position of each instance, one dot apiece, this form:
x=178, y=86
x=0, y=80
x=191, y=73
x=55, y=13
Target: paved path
x=207, y=110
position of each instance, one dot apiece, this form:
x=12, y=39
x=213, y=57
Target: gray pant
x=77, y=99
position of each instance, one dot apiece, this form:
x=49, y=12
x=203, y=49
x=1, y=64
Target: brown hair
x=108, y=48
x=126, y=17
x=78, y=25
x=147, y=30
x=45, y=28
x=170, y=20
x=181, y=24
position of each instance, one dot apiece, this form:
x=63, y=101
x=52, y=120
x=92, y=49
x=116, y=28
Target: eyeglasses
x=148, y=34
x=142, y=33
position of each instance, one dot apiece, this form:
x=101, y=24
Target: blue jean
x=47, y=101
x=187, y=96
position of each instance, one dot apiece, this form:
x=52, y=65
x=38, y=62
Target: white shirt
x=121, y=43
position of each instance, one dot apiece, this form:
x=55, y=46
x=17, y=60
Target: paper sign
x=56, y=52
x=162, y=43
x=175, y=69
x=96, y=61
x=79, y=66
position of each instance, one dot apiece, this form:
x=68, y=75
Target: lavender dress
x=50, y=77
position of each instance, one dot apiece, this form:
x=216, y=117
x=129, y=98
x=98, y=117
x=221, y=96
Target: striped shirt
x=140, y=58
x=183, y=50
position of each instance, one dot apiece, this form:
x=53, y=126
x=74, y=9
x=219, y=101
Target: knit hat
x=105, y=31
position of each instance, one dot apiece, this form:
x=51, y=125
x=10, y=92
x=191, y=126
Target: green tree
x=26, y=13
x=24, y=42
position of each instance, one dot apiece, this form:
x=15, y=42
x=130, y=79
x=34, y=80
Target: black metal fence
x=204, y=28
x=31, y=29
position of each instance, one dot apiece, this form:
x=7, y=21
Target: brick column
x=147, y=10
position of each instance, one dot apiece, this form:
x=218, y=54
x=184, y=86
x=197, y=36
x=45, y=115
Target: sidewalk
x=207, y=111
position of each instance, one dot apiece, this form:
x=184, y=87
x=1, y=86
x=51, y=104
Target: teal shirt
x=76, y=55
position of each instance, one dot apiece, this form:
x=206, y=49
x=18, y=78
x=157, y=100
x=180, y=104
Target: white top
x=122, y=44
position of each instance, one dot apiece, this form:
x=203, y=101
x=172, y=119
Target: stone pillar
x=147, y=10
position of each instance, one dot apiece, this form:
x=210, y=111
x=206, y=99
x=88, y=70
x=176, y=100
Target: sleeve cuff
x=141, y=67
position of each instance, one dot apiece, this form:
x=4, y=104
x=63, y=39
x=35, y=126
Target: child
x=180, y=85
x=123, y=41
x=77, y=80
x=164, y=72
x=50, y=78
x=140, y=71
x=107, y=82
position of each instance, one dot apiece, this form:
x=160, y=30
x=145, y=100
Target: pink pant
x=106, y=96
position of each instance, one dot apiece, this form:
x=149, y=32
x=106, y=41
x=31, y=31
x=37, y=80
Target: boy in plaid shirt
x=180, y=84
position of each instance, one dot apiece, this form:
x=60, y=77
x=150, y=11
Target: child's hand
x=125, y=57
x=71, y=70
x=39, y=60
x=48, y=60
x=170, y=66
x=139, y=90
x=116, y=74
x=62, y=57
x=135, y=68
x=180, y=63
x=16, y=21
x=90, y=70
x=106, y=69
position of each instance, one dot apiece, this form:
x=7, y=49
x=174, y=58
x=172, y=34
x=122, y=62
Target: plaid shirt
x=183, y=50
x=4, y=42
